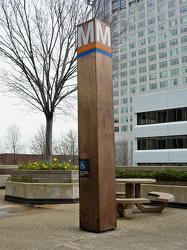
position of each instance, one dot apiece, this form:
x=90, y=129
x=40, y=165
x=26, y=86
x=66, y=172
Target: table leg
x=129, y=191
x=137, y=190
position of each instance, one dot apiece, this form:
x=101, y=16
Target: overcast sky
x=28, y=121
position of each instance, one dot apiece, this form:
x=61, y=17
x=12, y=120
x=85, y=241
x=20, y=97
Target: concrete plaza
x=57, y=227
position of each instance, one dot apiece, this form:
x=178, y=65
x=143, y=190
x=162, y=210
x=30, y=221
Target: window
x=124, y=128
x=183, y=19
x=151, y=30
x=132, y=54
x=116, y=119
x=151, y=39
x=133, y=81
x=162, y=8
x=183, y=1
x=152, y=58
x=141, y=7
x=172, y=13
x=132, y=72
x=173, y=23
x=173, y=32
x=141, y=33
x=184, y=29
x=175, y=82
x=162, y=26
x=142, y=69
x=124, y=92
x=116, y=102
x=174, y=52
x=124, y=101
x=162, y=17
x=124, y=110
x=132, y=63
x=143, y=88
x=184, y=39
x=116, y=129
x=141, y=42
x=116, y=93
x=142, y=60
x=184, y=59
x=184, y=80
x=132, y=90
x=153, y=76
x=174, y=72
x=184, y=49
x=184, y=70
x=153, y=86
x=162, y=55
x=152, y=67
x=131, y=11
x=123, y=74
x=124, y=83
x=141, y=25
x=172, y=4
x=152, y=48
x=116, y=111
x=173, y=42
x=142, y=79
x=132, y=37
x=174, y=62
x=141, y=15
x=164, y=84
x=162, y=36
x=132, y=28
x=163, y=74
x=163, y=64
x=124, y=119
x=132, y=45
x=124, y=65
x=151, y=21
x=142, y=51
x=123, y=57
x=132, y=19
x=151, y=12
x=162, y=45
x=115, y=85
x=150, y=3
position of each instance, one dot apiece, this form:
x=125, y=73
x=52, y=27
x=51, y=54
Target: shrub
x=162, y=175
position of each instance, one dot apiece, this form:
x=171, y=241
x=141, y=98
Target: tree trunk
x=49, y=130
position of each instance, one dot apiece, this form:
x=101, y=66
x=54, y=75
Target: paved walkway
x=57, y=227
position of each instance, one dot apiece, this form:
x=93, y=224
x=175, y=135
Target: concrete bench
x=125, y=206
x=161, y=197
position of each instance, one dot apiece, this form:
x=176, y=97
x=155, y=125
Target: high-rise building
x=149, y=55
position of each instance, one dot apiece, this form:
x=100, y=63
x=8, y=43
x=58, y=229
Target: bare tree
x=123, y=153
x=13, y=142
x=37, y=144
x=37, y=40
x=68, y=146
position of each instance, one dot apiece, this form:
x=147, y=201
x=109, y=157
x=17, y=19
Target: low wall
x=3, y=179
x=151, y=168
x=7, y=169
x=42, y=193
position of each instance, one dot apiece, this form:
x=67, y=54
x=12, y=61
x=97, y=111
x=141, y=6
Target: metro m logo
x=94, y=33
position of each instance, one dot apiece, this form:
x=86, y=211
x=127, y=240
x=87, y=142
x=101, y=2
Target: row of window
x=165, y=142
x=143, y=69
x=123, y=119
x=144, y=78
x=123, y=128
x=162, y=116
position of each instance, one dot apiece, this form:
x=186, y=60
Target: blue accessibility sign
x=84, y=167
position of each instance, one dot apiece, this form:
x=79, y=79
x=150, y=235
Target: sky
x=28, y=121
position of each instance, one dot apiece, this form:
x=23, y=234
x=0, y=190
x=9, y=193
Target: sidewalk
x=57, y=227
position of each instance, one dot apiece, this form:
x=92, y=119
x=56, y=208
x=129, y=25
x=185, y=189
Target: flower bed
x=41, y=183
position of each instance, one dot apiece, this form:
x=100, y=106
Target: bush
x=162, y=175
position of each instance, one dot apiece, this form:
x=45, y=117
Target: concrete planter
x=43, y=186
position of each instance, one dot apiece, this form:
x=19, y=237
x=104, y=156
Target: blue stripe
x=85, y=53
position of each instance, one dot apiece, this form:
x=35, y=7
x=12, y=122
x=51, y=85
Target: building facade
x=160, y=128
x=149, y=56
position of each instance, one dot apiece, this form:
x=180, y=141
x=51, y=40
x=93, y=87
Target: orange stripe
x=94, y=45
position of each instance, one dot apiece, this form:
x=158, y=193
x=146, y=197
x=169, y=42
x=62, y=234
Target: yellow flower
x=55, y=159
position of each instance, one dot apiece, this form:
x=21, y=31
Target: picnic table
x=125, y=201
